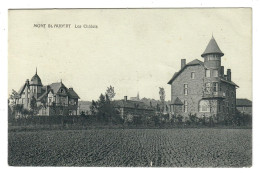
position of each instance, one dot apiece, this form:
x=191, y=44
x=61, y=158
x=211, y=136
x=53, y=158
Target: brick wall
x=195, y=88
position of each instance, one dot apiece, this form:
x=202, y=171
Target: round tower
x=35, y=84
x=212, y=55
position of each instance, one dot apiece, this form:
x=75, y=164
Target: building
x=53, y=99
x=202, y=87
x=135, y=98
x=244, y=106
x=130, y=108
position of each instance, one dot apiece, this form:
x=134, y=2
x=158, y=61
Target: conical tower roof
x=36, y=80
x=212, y=48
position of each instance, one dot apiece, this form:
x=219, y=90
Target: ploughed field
x=132, y=147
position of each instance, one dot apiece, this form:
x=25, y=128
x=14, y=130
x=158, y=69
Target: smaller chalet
x=133, y=108
x=244, y=106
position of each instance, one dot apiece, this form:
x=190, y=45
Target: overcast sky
x=133, y=50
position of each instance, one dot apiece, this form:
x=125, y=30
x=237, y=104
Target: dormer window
x=61, y=90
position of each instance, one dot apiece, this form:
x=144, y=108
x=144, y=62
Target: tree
x=93, y=108
x=12, y=98
x=33, y=106
x=162, y=94
x=110, y=92
x=18, y=108
x=162, y=98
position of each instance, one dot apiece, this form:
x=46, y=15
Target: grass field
x=132, y=147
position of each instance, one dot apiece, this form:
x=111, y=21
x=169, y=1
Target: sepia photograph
x=130, y=87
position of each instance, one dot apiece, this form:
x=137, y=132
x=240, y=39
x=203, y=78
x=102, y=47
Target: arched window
x=204, y=106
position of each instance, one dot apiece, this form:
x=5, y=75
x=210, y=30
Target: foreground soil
x=132, y=147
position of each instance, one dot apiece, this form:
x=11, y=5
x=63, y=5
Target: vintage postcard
x=130, y=87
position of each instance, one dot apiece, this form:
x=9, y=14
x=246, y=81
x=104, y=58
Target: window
x=215, y=73
x=208, y=87
x=227, y=107
x=204, y=106
x=185, y=106
x=215, y=87
x=213, y=57
x=192, y=75
x=207, y=73
x=185, y=89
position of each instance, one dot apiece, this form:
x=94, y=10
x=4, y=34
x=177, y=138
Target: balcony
x=218, y=94
x=70, y=106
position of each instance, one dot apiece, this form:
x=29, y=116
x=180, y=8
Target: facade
x=53, y=99
x=244, y=106
x=130, y=108
x=202, y=87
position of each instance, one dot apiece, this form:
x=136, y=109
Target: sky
x=134, y=50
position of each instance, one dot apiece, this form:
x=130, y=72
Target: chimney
x=225, y=77
x=70, y=88
x=228, y=74
x=27, y=81
x=125, y=98
x=222, y=71
x=183, y=62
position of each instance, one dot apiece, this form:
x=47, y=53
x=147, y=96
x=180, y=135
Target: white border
x=26, y=4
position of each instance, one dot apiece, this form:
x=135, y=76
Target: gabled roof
x=45, y=91
x=229, y=82
x=212, y=48
x=56, y=86
x=194, y=62
x=21, y=89
x=73, y=94
x=177, y=101
x=131, y=104
x=243, y=102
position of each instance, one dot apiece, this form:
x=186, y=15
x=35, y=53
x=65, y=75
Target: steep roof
x=194, y=62
x=229, y=82
x=73, y=94
x=212, y=48
x=36, y=80
x=56, y=86
x=21, y=89
x=243, y=102
x=45, y=91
